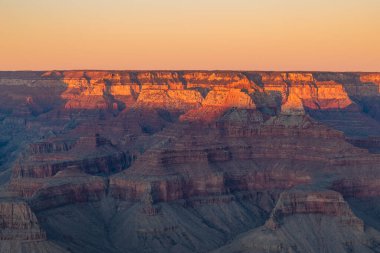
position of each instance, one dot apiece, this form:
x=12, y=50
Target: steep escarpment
x=217, y=101
x=186, y=161
x=301, y=217
x=327, y=203
x=20, y=230
x=20, y=221
x=186, y=90
x=58, y=172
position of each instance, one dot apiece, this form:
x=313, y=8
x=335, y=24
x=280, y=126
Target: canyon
x=189, y=161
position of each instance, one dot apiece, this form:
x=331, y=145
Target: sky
x=325, y=35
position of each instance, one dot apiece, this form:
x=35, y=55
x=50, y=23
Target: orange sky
x=336, y=35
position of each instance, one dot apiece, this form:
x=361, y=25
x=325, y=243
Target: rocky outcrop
x=217, y=101
x=363, y=187
x=171, y=188
x=18, y=222
x=371, y=78
x=293, y=105
x=47, y=168
x=229, y=97
x=20, y=231
x=322, y=95
x=43, y=147
x=328, y=203
x=209, y=80
x=58, y=172
x=298, y=218
x=68, y=189
x=169, y=99
x=63, y=189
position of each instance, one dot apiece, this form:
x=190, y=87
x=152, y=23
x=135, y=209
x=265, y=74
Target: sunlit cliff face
x=206, y=95
x=203, y=95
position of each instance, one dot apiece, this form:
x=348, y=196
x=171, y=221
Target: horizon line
x=190, y=70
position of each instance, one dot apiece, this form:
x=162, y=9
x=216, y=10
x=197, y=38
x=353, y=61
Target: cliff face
x=191, y=159
x=20, y=230
x=19, y=222
x=317, y=90
x=327, y=203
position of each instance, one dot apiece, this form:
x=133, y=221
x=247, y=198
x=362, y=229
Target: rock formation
x=189, y=161
x=293, y=104
x=20, y=230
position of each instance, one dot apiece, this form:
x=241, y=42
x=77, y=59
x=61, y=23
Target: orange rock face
x=293, y=104
x=217, y=101
x=298, y=77
x=88, y=90
x=370, y=78
x=226, y=97
x=169, y=99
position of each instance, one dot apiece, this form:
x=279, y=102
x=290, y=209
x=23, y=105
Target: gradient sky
x=336, y=35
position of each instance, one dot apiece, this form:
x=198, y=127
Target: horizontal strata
x=307, y=86
x=233, y=148
x=327, y=203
